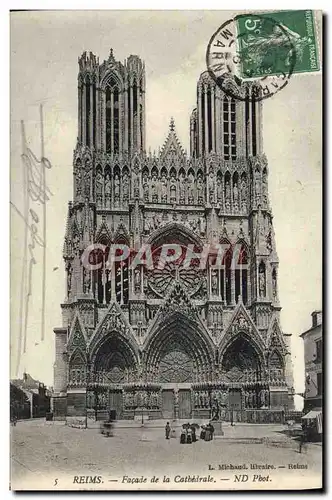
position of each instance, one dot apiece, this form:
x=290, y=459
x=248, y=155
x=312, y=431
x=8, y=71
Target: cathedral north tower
x=111, y=104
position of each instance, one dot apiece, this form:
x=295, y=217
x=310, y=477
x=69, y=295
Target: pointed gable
x=77, y=336
x=172, y=146
x=177, y=301
x=242, y=323
x=121, y=232
x=104, y=233
x=275, y=339
x=113, y=321
x=87, y=226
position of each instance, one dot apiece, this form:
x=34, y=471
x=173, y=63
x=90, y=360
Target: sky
x=45, y=47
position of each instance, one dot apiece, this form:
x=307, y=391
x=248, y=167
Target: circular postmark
x=251, y=57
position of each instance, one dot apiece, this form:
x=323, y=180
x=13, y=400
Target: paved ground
x=47, y=455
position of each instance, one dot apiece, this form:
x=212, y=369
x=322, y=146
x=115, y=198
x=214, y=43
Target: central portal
x=183, y=402
x=176, y=368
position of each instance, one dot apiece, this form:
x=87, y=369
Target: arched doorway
x=177, y=356
x=114, y=364
x=240, y=355
x=241, y=366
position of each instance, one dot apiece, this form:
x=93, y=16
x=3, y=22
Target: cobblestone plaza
x=40, y=448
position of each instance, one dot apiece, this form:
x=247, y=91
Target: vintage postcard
x=166, y=242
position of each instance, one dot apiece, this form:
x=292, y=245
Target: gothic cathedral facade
x=176, y=342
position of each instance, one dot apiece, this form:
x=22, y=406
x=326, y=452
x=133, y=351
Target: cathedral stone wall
x=176, y=340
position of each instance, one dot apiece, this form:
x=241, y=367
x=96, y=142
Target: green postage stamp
x=277, y=42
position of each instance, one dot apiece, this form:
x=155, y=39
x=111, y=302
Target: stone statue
x=211, y=188
x=173, y=190
x=163, y=188
x=154, y=189
x=87, y=183
x=146, y=225
x=137, y=280
x=202, y=226
x=136, y=186
x=108, y=192
x=145, y=188
x=191, y=189
x=103, y=400
x=200, y=194
x=78, y=182
x=86, y=281
x=262, y=285
x=269, y=241
x=176, y=398
x=219, y=190
x=214, y=282
x=69, y=275
x=257, y=187
x=193, y=225
x=125, y=186
x=264, y=188
x=244, y=194
x=235, y=195
x=215, y=411
x=266, y=397
x=156, y=221
x=182, y=189
x=227, y=194
x=99, y=188
x=116, y=188
x=145, y=281
x=274, y=284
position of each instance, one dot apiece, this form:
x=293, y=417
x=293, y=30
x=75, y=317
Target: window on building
x=229, y=123
x=112, y=116
x=319, y=353
x=319, y=383
x=87, y=110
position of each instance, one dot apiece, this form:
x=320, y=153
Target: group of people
x=188, y=432
x=207, y=432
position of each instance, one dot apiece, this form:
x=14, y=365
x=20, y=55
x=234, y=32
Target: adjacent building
x=170, y=343
x=29, y=398
x=313, y=358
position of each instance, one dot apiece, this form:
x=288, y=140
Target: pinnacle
x=172, y=125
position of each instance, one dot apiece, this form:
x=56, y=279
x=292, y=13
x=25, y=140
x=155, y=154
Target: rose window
x=164, y=273
x=176, y=367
